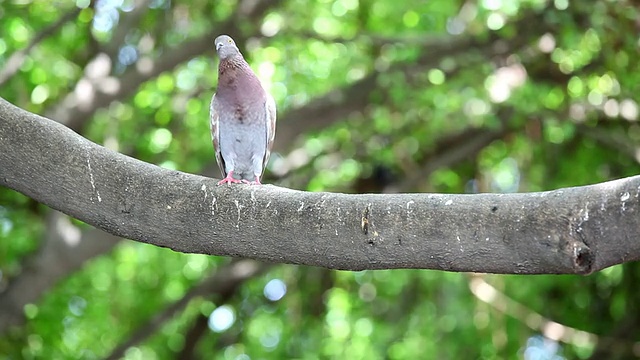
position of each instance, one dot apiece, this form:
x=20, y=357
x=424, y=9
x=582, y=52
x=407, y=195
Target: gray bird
x=243, y=118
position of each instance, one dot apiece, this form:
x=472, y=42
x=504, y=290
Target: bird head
x=226, y=47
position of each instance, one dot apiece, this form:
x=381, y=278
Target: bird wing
x=214, y=119
x=271, y=128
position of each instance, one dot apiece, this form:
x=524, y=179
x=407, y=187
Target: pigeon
x=243, y=118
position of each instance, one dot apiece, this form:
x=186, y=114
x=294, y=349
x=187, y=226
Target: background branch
x=65, y=249
x=220, y=286
x=73, y=111
x=16, y=59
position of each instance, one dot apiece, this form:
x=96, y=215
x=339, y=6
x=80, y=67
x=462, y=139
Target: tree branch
x=65, y=249
x=74, y=109
x=460, y=147
x=611, y=140
x=573, y=230
x=323, y=111
x=221, y=285
x=128, y=21
x=193, y=336
x=502, y=303
x=339, y=103
x=52, y=262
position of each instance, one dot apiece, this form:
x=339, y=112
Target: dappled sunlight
x=275, y=290
x=504, y=81
x=222, y=318
x=107, y=15
x=629, y=109
x=545, y=346
x=539, y=347
x=547, y=43
x=505, y=177
x=372, y=97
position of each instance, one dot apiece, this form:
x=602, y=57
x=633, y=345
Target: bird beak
x=219, y=45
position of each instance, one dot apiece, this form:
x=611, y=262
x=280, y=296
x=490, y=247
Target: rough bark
x=66, y=247
x=573, y=230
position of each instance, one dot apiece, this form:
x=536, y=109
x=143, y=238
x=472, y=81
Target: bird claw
x=256, y=182
x=229, y=180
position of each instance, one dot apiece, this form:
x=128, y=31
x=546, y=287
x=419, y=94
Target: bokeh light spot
x=160, y=140
x=436, y=76
x=40, y=94
x=222, y=318
x=411, y=19
x=275, y=290
x=30, y=311
x=495, y=21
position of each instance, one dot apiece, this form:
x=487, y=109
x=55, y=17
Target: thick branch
x=323, y=111
x=573, y=230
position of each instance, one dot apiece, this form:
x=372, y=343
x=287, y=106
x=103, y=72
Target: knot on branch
x=583, y=259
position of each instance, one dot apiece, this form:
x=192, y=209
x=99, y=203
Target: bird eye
x=229, y=41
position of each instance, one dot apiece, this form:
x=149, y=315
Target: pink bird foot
x=229, y=179
x=256, y=182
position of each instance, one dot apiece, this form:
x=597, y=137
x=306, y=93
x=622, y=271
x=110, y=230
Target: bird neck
x=231, y=65
x=233, y=70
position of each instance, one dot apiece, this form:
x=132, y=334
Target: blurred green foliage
x=556, y=82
